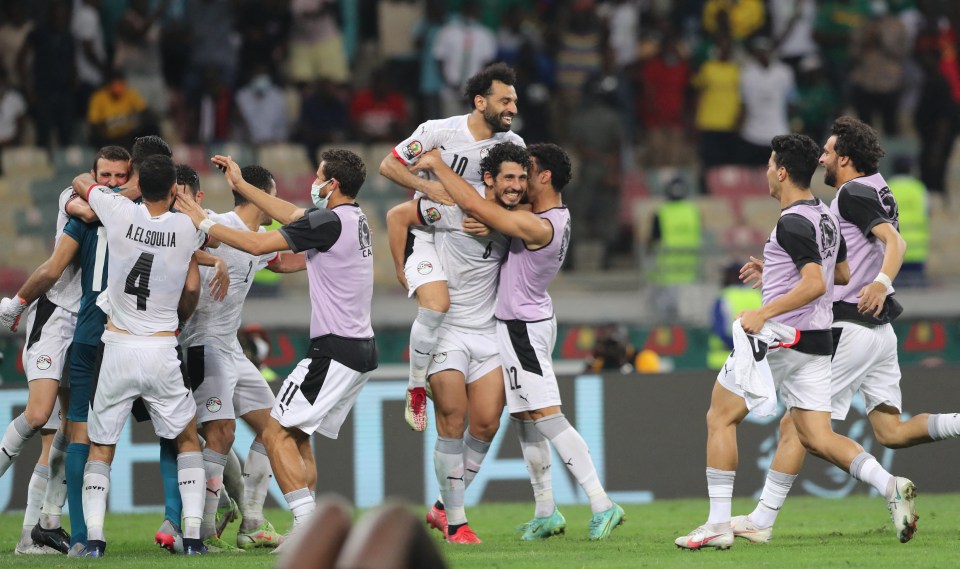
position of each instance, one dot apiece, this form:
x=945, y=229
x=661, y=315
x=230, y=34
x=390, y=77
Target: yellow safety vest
x=914, y=225
x=737, y=298
x=678, y=258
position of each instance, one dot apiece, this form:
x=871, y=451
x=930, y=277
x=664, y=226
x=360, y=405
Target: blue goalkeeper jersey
x=92, y=238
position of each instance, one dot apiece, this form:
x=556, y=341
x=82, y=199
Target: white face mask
x=320, y=202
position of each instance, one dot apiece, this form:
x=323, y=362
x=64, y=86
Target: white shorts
x=317, y=396
x=802, y=380
x=473, y=355
x=421, y=264
x=226, y=385
x=865, y=360
x=138, y=366
x=56, y=417
x=49, y=335
x=526, y=349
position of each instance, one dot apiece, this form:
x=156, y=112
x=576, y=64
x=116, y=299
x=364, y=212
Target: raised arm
x=393, y=169
x=281, y=210
x=190, y=296
x=220, y=282
x=39, y=282
x=249, y=241
x=399, y=219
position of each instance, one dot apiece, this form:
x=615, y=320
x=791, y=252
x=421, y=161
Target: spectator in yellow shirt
x=117, y=113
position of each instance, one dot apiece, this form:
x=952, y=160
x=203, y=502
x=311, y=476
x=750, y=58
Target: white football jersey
x=148, y=262
x=472, y=265
x=65, y=293
x=219, y=321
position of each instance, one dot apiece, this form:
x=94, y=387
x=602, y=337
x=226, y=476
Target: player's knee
x=718, y=418
x=36, y=417
x=434, y=298
x=485, y=430
x=220, y=435
x=890, y=438
x=450, y=426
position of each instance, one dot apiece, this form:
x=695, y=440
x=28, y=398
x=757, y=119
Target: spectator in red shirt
x=662, y=100
x=379, y=112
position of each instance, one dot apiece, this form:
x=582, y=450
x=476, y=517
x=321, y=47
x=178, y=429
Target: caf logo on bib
x=214, y=404
x=424, y=268
x=440, y=358
x=44, y=362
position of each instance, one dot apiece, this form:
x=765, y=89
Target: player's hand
x=10, y=310
x=82, y=183
x=402, y=278
x=230, y=169
x=186, y=204
x=427, y=161
x=752, y=321
x=872, y=298
x=474, y=227
x=220, y=282
x=435, y=191
x=753, y=269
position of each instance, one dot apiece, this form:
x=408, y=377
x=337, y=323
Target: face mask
x=261, y=83
x=320, y=202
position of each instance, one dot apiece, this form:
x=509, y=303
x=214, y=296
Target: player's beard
x=494, y=121
x=829, y=177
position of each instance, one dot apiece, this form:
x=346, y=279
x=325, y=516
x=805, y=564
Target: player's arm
x=399, y=219
x=190, y=296
x=281, y=210
x=524, y=225
x=249, y=241
x=80, y=209
x=874, y=295
x=42, y=280
x=841, y=272
x=220, y=282
x=288, y=263
x=396, y=170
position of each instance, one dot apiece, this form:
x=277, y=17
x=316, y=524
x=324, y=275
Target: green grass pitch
x=811, y=532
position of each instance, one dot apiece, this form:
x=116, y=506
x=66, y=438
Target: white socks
x=96, y=486
x=774, y=494
x=191, y=477
x=35, y=492
x=943, y=426
x=302, y=504
x=448, y=463
x=56, y=493
x=213, y=463
x=474, y=451
x=574, y=452
x=536, y=453
x=423, y=338
x=18, y=432
x=720, y=490
x=256, y=478
x=866, y=468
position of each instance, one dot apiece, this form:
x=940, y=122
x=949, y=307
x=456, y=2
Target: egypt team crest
x=44, y=362
x=412, y=150
x=214, y=404
x=440, y=358
x=484, y=152
x=424, y=267
x=432, y=215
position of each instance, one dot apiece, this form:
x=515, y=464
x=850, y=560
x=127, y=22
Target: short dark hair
x=157, y=176
x=111, y=154
x=346, y=167
x=258, y=177
x=482, y=83
x=859, y=142
x=555, y=159
x=504, y=152
x=799, y=155
x=187, y=176
x=145, y=146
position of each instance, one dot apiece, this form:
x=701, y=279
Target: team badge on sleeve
x=413, y=150
x=432, y=215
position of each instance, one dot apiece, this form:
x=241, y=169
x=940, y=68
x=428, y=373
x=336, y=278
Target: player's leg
x=485, y=400
x=84, y=367
x=42, y=395
x=426, y=280
x=35, y=493
x=228, y=509
x=450, y=408
x=48, y=530
x=787, y=461
x=547, y=520
x=283, y=447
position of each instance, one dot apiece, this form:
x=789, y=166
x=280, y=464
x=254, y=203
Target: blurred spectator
x=52, y=76
x=13, y=109
x=880, y=53
x=734, y=298
x=533, y=91
x=397, y=22
x=211, y=109
x=213, y=42
x=323, y=117
x=91, y=52
x=316, y=43
x=622, y=19
x=718, y=107
x=662, y=103
x=938, y=107
x=510, y=35
x=580, y=56
x=612, y=350
x=835, y=24
x=676, y=236
x=766, y=86
x=792, y=28
x=117, y=114
x=745, y=17
x=598, y=144
x=379, y=112
x=816, y=105
x=13, y=33
x=913, y=222
x=431, y=79
x=264, y=27
x=138, y=52
x=463, y=46
x=263, y=108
